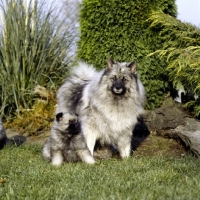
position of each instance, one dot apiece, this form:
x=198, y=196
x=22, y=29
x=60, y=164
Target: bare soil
x=155, y=145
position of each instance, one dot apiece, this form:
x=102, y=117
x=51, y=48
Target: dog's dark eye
x=114, y=78
x=124, y=79
x=70, y=121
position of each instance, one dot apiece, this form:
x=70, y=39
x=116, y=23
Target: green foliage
x=182, y=49
x=119, y=29
x=27, y=176
x=33, y=51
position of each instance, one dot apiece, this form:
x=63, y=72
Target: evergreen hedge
x=119, y=28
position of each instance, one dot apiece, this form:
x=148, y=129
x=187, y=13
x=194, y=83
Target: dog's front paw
x=90, y=161
x=125, y=152
x=86, y=156
x=57, y=160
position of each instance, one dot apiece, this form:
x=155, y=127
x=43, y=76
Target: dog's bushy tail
x=84, y=71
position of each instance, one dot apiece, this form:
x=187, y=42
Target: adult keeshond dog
x=108, y=103
x=66, y=142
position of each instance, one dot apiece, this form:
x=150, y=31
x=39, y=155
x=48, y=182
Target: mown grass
x=27, y=176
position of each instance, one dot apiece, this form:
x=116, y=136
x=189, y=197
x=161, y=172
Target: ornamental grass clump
x=34, y=43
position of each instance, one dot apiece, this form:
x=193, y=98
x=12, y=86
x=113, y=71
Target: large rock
x=171, y=120
x=167, y=117
x=189, y=133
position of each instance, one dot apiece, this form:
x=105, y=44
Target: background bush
x=120, y=29
x=182, y=49
x=34, y=43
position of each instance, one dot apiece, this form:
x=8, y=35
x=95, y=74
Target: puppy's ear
x=133, y=67
x=110, y=63
x=59, y=116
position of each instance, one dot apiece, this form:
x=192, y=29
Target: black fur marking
x=59, y=116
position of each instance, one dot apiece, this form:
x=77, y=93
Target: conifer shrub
x=120, y=29
x=182, y=50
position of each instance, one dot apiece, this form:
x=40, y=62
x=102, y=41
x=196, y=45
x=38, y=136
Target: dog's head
x=67, y=123
x=121, y=76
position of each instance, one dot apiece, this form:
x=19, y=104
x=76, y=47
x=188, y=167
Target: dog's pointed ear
x=133, y=67
x=110, y=63
x=59, y=116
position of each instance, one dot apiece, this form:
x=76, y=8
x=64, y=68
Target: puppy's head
x=67, y=123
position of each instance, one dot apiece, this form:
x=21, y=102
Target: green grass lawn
x=26, y=176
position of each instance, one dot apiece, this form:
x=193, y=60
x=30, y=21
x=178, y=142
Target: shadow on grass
x=140, y=133
x=16, y=140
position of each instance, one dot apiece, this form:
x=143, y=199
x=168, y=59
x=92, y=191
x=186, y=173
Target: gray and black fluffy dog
x=108, y=103
x=66, y=142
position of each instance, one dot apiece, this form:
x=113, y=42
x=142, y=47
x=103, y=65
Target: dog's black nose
x=73, y=123
x=74, y=127
x=118, y=87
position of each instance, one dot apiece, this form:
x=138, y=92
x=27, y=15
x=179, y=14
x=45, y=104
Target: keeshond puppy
x=108, y=103
x=66, y=142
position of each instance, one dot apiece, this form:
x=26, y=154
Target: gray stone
x=172, y=121
x=190, y=134
x=167, y=117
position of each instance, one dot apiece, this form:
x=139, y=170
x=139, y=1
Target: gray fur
x=66, y=142
x=108, y=103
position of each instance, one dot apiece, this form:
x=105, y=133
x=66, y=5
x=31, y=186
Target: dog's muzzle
x=118, y=87
x=74, y=127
